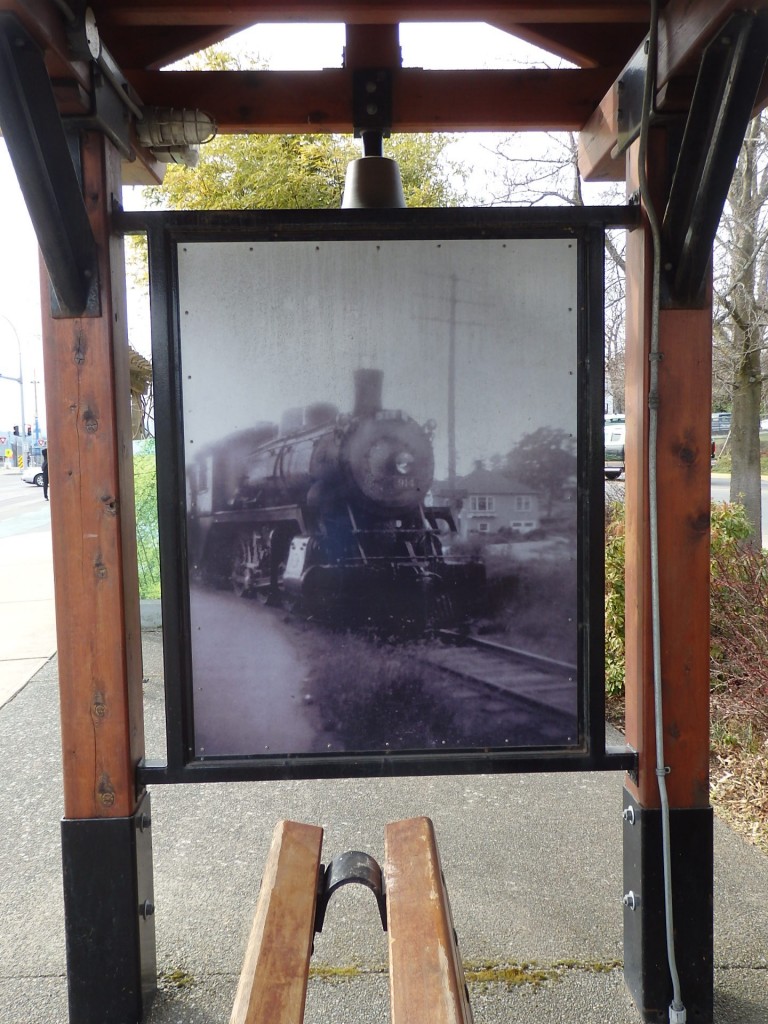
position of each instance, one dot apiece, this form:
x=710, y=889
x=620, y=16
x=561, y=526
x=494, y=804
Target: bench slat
x=273, y=980
x=426, y=978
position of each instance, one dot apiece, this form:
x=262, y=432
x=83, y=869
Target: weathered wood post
x=106, y=843
x=683, y=461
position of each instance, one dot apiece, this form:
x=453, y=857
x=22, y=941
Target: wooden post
x=683, y=460
x=98, y=620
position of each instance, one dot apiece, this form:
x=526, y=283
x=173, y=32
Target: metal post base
x=109, y=917
x=646, y=970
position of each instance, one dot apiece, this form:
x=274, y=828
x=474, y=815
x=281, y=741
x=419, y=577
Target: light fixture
x=373, y=181
x=173, y=135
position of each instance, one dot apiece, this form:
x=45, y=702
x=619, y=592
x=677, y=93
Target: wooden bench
x=426, y=977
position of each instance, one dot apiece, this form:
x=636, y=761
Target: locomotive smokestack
x=368, y=387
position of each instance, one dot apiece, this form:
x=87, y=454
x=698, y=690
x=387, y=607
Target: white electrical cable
x=677, y=1012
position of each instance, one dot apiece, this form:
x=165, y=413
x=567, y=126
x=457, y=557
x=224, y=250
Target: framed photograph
x=378, y=444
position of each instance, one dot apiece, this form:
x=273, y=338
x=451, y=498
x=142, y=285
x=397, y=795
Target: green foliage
x=147, y=544
x=738, y=607
x=300, y=172
x=614, y=599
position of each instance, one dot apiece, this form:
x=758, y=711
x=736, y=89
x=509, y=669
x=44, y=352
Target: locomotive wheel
x=244, y=564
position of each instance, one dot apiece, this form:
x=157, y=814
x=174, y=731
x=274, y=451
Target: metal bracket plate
x=350, y=867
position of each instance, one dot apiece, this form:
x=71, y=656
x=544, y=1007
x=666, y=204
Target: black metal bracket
x=350, y=867
x=631, y=88
x=108, y=114
x=730, y=73
x=40, y=154
x=109, y=916
x=372, y=107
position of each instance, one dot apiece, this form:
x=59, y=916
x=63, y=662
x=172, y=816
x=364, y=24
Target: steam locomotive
x=327, y=513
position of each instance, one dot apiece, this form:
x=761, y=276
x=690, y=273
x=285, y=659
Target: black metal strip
x=170, y=490
x=40, y=154
x=371, y=765
x=459, y=222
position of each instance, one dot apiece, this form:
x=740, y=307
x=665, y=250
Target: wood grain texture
x=684, y=478
x=273, y=981
x=425, y=974
x=93, y=525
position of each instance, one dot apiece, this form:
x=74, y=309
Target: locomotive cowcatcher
x=329, y=514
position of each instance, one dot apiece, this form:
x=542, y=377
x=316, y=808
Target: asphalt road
x=721, y=490
x=22, y=506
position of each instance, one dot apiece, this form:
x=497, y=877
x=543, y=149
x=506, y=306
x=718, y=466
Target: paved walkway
x=27, y=613
x=533, y=865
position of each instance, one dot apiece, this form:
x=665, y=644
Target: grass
x=722, y=463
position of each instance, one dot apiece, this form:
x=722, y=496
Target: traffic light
x=29, y=431
x=15, y=431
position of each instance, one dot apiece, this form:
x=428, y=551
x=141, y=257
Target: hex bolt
x=147, y=909
x=631, y=900
x=628, y=815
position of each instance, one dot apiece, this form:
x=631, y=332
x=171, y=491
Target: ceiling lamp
x=373, y=181
x=172, y=136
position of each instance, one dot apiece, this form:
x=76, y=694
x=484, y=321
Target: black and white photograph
x=380, y=461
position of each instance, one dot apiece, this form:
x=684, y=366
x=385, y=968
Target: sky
x=283, y=48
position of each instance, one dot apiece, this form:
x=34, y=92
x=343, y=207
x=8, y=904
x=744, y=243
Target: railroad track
x=533, y=679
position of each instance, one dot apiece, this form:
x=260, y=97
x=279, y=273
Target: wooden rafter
x=267, y=101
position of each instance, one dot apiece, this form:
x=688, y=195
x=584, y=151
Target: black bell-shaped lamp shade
x=373, y=182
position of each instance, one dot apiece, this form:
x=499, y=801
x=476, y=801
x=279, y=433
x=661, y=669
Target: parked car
x=615, y=434
x=721, y=422
x=33, y=475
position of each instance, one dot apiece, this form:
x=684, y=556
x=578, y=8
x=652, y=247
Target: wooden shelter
x=75, y=82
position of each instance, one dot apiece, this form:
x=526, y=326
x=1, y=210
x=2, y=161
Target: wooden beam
x=684, y=31
x=248, y=12
x=273, y=981
x=321, y=101
x=372, y=46
x=683, y=459
x=426, y=978
x=579, y=42
x=92, y=519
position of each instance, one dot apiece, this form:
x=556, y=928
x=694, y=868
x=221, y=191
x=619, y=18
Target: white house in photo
x=489, y=502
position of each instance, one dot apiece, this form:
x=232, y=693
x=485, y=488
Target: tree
x=544, y=459
x=741, y=314
x=305, y=172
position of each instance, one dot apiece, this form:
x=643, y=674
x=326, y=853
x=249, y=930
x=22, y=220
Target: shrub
x=614, y=599
x=739, y=608
x=739, y=618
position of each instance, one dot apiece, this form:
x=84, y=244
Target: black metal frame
x=586, y=226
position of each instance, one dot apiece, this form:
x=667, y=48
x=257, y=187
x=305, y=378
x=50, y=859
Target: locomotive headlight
x=403, y=463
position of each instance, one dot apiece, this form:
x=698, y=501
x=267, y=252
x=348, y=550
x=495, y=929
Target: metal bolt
x=629, y=815
x=147, y=909
x=144, y=822
x=631, y=901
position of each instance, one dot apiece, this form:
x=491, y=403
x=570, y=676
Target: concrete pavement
x=27, y=613
x=533, y=865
